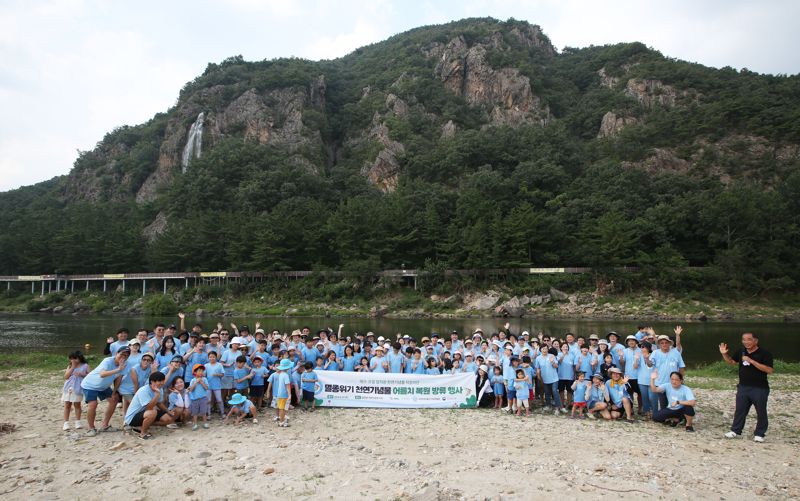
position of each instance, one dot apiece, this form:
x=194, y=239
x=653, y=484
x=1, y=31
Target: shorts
x=227, y=382
x=565, y=384
x=512, y=393
x=257, y=391
x=282, y=403
x=138, y=418
x=71, y=396
x=590, y=405
x=126, y=397
x=199, y=407
x=523, y=401
x=308, y=396
x=579, y=405
x=94, y=395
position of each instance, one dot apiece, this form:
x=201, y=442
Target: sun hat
x=387, y=345
x=379, y=347
x=134, y=341
x=614, y=370
x=148, y=354
x=285, y=365
x=593, y=337
x=603, y=341
x=237, y=399
x=612, y=333
x=177, y=358
x=484, y=368
x=597, y=375
x=426, y=339
x=259, y=331
x=662, y=337
x=296, y=332
x=631, y=337
x=381, y=339
x=236, y=340
x=370, y=333
x=198, y=366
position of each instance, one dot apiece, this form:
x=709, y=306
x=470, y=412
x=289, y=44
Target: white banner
x=369, y=389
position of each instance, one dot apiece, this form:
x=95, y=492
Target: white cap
x=526, y=333
x=484, y=368
x=380, y=338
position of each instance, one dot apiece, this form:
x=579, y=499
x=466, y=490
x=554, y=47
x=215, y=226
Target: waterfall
x=194, y=142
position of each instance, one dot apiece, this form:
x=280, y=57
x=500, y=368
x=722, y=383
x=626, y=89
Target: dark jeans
x=664, y=414
x=745, y=397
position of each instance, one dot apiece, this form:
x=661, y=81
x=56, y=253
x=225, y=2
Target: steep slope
x=473, y=143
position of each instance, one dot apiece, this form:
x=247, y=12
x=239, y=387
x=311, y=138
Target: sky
x=72, y=70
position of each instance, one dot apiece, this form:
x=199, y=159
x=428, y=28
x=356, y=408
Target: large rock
x=651, y=93
x=481, y=301
x=557, y=295
x=612, y=124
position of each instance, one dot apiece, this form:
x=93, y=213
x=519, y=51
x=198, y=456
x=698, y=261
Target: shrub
x=160, y=305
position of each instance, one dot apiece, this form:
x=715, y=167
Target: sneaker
x=690, y=428
x=732, y=434
x=126, y=428
x=563, y=410
x=546, y=408
x=195, y=427
x=66, y=426
x=172, y=426
x=758, y=439
x=285, y=424
x=276, y=419
x=205, y=426
x=255, y=421
x=78, y=425
x=556, y=413
x=592, y=416
x=91, y=432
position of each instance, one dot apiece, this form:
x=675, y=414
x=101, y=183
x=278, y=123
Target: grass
x=720, y=369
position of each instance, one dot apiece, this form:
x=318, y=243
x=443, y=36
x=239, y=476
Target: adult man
x=147, y=407
x=97, y=386
x=666, y=360
x=112, y=347
x=755, y=364
x=155, y=342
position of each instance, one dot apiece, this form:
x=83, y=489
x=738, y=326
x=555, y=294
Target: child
x=241, y=408
x=258, y=373
x=608, y=363
x=283, y=388
x=198, y=394
x=134, y=377
x=580, y=392
x=640, y=363
x=498, y=387
x=432, y=369
x=215, y=372
x=364, y=365
x=308, y=385
x=242, y=375
x=331, y=362
x=522, y=387
x=178, y=402
x=508, y=375
x=72, y=394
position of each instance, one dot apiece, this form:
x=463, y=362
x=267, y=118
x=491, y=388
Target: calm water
x=700, y=340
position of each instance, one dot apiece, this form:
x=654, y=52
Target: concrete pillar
x=185, y=283
x=87, y=285
x=33, y=288
x=165, y=286
x=42, y=288
x=144, y=286
x=105, y=286
x=123, y=286
x=72, y=284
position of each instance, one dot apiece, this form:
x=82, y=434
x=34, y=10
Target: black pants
x=745, y=397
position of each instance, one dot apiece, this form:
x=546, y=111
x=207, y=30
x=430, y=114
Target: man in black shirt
x=754, y=365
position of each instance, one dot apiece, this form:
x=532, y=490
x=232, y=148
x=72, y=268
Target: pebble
x=269, y=471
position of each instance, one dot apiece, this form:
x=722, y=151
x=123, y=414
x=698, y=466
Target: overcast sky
x=72, y=70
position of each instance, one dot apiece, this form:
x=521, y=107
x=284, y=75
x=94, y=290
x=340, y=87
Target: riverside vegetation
x=473, y=144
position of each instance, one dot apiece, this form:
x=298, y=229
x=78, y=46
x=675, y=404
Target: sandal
x=146, y=436
x=107, y=429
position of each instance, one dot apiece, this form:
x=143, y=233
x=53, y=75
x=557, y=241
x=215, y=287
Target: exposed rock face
x=612, y=124
x=448, y=130
x=397, y=106
x=481, y=301
x=383, y=172
x=662, y=160
x=156, y=228
x=271, y=117
x=607, y=80
x=466, y=72
x=651, y=93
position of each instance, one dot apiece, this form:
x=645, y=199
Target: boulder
x=58, y=309
x=557, y=295
x=378, y=311
x=481, y=301
x=200, y=312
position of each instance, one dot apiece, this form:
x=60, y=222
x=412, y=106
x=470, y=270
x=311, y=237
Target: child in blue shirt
x=580, y=394
x=257, y=373
x=522, y=388
x=432, y=369
x=241, y=375
x=198, y=396
x=241, y=408
x=308, y=382
x=178, y=402
x=498, y=387
x=283, y=389
x=214, y=373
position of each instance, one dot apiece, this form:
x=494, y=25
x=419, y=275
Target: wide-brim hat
x=612, y=333
x=662, y=337
x=237, y=399
x=631, y=337
x=593, y=337
x=285, y=365
x=614, y=370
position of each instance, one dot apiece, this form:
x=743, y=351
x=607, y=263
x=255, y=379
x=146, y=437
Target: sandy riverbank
x=401, y=454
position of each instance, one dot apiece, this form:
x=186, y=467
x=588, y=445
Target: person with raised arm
x=755, y=364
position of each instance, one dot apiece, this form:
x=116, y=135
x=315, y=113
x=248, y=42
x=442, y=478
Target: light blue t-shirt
x=308, y=381
x=395, y=362
x=630, y=356
x=214, y=382
x=643, y=373
x=616, y=392
x=579, y=396
x=349, y=364
x=198, y=392
x=258, y=376
x=585, y=364
x=616, y=351
x=566, y=366
x=191, y=360
x=229, y=357
x=414, y=366
x=140, y=400
x=310, y=354
x=676, y=395
x=545, y=366
x=376, y=364
x=433, y=371
x=94, y=382
x=666, y=364
x=522, y=388
x=116, y=345
x=142, y=377
x=281, y=380
x=239, y=374
x=244, y=406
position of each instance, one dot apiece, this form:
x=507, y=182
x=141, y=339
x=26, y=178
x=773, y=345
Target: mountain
x=472, y=144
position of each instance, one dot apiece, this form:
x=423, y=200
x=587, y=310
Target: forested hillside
x=474, y=144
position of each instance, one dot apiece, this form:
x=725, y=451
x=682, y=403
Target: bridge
x=58, y=282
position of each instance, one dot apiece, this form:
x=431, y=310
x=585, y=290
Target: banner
x=370, y=389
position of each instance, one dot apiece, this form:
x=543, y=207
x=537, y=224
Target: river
x=56, y=333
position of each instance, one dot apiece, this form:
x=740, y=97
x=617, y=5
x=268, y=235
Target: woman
x=166, y=353
x=331, y=362
x=680, y=401
x=349, y=361
x=483, y=387
x=619, y=395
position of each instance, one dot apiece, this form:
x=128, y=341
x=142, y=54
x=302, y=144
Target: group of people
x=172, y=376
